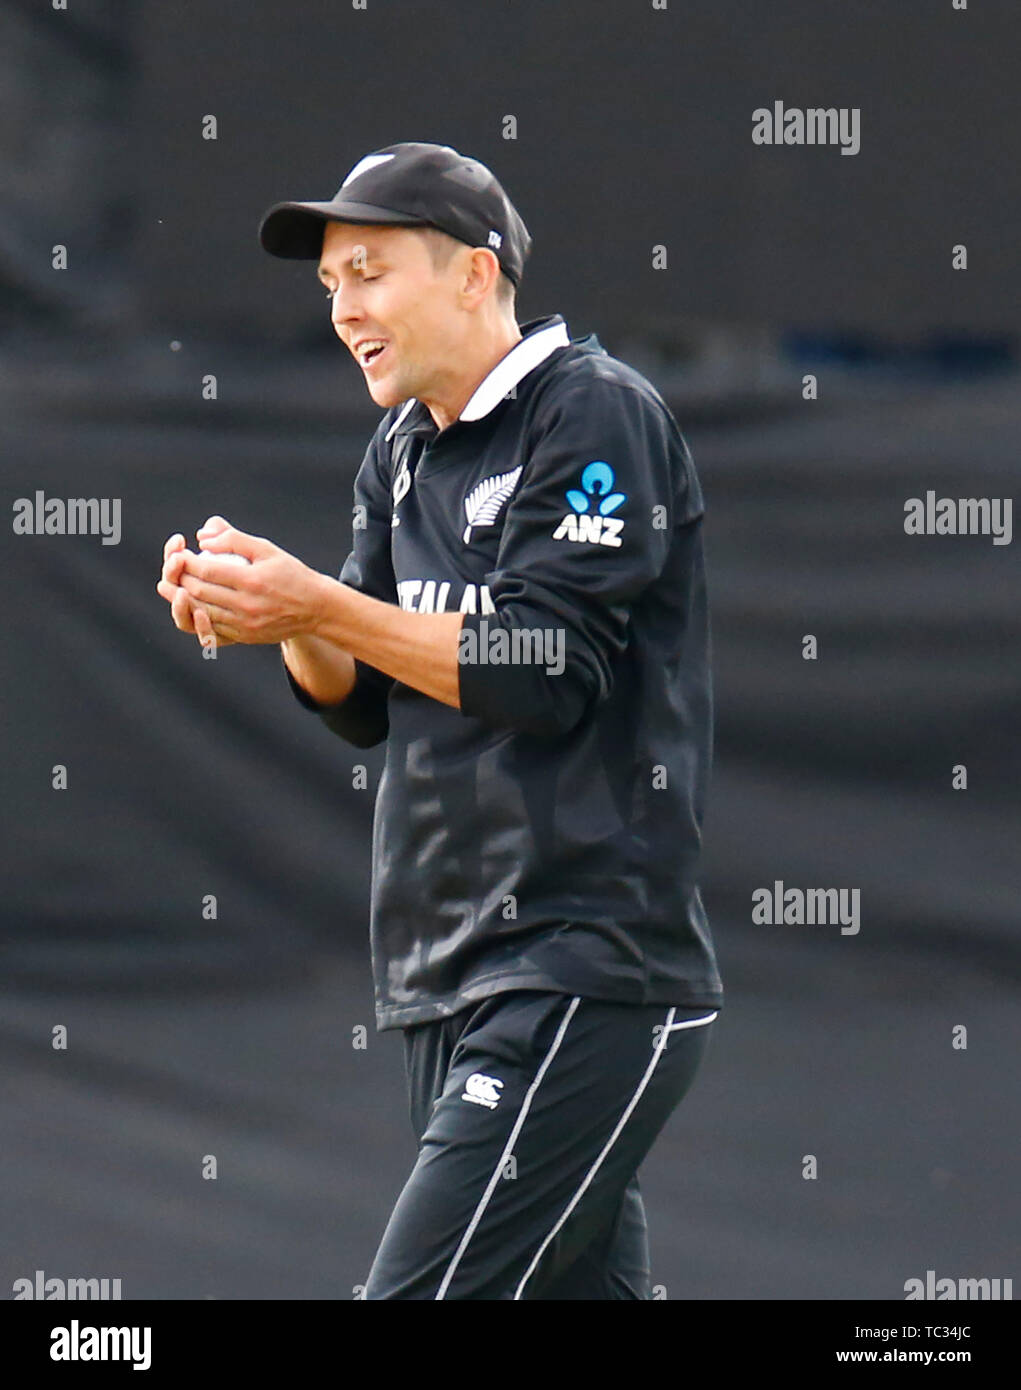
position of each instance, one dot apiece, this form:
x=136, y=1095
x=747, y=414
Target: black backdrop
x=186, y=777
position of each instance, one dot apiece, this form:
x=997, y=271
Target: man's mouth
x=370, y=351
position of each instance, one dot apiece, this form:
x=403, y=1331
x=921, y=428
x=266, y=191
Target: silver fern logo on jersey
x=483, y=503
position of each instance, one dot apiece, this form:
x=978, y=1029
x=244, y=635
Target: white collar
x=523, y=357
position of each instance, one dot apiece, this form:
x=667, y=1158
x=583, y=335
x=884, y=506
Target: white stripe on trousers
x=491, y=1186
x=670, y=1027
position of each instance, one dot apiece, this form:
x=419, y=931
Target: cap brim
x=294, y=231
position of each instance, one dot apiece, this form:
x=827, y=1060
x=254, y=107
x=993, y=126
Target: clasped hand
x=270, y=599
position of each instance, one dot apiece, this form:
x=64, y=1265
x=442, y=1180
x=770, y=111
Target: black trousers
x=533, y=1111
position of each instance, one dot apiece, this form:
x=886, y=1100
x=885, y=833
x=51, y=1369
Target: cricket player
x=522, y=618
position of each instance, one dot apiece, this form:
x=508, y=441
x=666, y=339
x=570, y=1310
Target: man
x=523, y=619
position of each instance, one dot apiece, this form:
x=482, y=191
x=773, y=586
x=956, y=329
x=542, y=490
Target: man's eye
x=365, y=280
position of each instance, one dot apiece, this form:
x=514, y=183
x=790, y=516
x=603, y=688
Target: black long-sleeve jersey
x=547, y=834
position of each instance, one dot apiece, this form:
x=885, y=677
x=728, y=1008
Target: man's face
x=383, y=287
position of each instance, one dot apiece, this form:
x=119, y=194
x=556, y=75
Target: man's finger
x=218, y=587
x=239, y=542
x=182, y=613
x=172, y=567
x=174, y=542
x=212, y=566
x=204, y=627
x=167, y=590
x=212, y=527
x=206, y=633
x=219, y=617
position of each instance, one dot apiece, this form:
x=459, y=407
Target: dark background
x=188, y=777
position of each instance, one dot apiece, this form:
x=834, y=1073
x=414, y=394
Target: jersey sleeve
x=607, y=482
x=361, y=718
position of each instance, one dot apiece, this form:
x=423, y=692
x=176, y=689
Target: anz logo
x=590, y=521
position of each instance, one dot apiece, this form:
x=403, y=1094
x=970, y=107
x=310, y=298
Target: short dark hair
x=442, y=246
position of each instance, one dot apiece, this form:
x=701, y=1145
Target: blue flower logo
x=596, y=482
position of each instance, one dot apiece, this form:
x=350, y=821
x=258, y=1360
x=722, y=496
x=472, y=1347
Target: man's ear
x=481, y=271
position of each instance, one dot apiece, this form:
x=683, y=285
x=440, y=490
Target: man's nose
x=343, y=307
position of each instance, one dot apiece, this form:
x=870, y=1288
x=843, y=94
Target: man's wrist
x=327, y=596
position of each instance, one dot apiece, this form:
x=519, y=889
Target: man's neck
x=495, y=351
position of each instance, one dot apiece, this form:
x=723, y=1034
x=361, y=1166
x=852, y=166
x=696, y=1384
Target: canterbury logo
x=483, y=503
x=483, y=1090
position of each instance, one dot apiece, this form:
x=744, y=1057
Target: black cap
x=408, y=185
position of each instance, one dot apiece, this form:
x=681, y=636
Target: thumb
x=211, y=527
x=239, y=542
